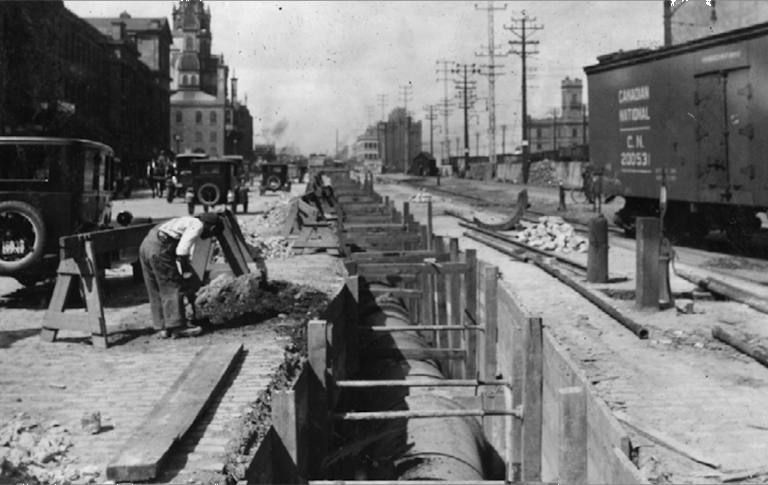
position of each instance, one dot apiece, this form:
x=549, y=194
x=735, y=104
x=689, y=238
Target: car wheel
x=22, y=236
x=273, y=182
x=209, y=194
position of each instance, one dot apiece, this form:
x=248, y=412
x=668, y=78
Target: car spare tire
x=22, y=236
x=209, y=194
x=273, y=182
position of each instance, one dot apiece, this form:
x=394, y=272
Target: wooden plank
x=105, y=241
x=623, y=471
x=416, y=268
x=516, y=370
x=289, y=417
x=491, y=277
x=91, y=286
x=648, y=244
x=76, y=321
x=532, y=400
x=455, y=309
x=260, y=470
x=433, y=354
x=430, y=228
x=572, y=450
x=142, y=455
x=441, y=316
x=470, y=286
x=396, y=292
x=352, y=313
x=398, y=256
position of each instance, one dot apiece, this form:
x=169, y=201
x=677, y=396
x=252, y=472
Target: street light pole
x=177, y=138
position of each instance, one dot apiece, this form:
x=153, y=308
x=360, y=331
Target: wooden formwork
x=537, y=408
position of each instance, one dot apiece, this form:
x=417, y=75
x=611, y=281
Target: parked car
x=274, y=177
x=215, y=182
x=49, y=188
x=184, y=170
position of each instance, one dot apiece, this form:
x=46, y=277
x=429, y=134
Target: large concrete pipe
x=439, y=448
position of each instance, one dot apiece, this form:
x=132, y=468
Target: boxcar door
x=711, y=138
x=741, y=132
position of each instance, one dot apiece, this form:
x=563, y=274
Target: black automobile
x=184, y=170
x=49, y=188
x=216, y=182
x=274, y=177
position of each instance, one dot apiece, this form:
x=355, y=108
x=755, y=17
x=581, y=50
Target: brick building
x=62, y=76
x=398, y=150
x=567, y=127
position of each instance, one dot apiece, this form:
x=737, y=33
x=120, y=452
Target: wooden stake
x=532, y=400
x=470, y=284
x=648, y=247
x=488, y=367
x=572, y=439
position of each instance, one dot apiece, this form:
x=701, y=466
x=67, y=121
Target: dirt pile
x=31, y=452
x=552, y=233
x=244, y=300
x=272, y=247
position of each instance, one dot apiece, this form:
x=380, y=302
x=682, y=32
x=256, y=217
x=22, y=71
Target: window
x=199, y=117
x=213, y=117
x=199, y=136
x=538, y=146
x=184, y=80
x=210, y=169
x=194, y=80
x=190, y=44
x=178, y=117
x=228, y=116
x=575, y=133
x=30, y=162
x=213, y=137
x=214, y=152
x=538, y=133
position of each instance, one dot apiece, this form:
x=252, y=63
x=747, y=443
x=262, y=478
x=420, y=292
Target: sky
x=313, y=71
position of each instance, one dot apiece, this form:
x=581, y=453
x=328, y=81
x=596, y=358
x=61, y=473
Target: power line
x=406, y=94
x=430, y=108
x=522, y=29
x=444, y=71
x=466, y=88
x=492, y=82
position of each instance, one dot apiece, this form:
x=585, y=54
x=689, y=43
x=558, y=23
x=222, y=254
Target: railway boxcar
x=694, y=114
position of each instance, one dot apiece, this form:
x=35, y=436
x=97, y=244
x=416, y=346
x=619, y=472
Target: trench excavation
x=398, y=444
x=423, y=368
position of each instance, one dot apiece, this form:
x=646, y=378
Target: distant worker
x=165, y=245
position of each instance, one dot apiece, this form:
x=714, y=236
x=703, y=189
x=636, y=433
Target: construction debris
x=422, y=197
x=227, y=297
x=552, y=233
x=275, y=213
x=31, y=452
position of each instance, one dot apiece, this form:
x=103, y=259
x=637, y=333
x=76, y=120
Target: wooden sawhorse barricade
x=82, y=260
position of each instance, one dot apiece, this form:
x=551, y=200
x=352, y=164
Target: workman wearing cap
x=166, y=244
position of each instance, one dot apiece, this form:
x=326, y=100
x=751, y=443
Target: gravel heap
x=552, y=233
x=34, y=453
x=227, y=297
x=276, y=212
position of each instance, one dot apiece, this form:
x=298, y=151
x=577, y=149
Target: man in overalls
x=166, y=244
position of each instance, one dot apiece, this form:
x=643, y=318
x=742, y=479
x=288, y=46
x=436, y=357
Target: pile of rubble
x=543, y=174
x=228, y=297
x=552, y=233
x=422, y=197
x=34, y=453
x=276, y=212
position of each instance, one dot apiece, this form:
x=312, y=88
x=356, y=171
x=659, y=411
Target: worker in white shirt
x=166, y=244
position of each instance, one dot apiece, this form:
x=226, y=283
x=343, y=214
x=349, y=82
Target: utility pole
x=491, y=83
x=522, y=29
x=503, y=139
x=477, y=144
x=444, y=71
x=465, y=85
x=584, y=124
x=431, y=117
x=369, y=113
x=406, y=93
x=383, y=103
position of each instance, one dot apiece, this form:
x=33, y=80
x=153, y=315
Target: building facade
x=400, y=141
x=140, y=67
x=60, y=75
x=366, y=150
x=567, y=127
x=693, y=19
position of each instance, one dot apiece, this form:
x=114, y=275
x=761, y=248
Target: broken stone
x=227, y=297
x=26, y=441
x=91, y=422
x=684, y=306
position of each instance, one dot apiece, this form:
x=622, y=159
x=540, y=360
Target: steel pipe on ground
x=423, y=448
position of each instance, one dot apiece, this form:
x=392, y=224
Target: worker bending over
x=165, y=245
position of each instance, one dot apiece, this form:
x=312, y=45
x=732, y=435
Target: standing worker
x=166, y=244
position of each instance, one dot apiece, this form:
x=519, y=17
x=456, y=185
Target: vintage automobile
x=49, y=188
x=184, y=170
x=274, y=177
x=216, y=181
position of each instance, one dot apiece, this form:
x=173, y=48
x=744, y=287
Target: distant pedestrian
x=166, y=245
